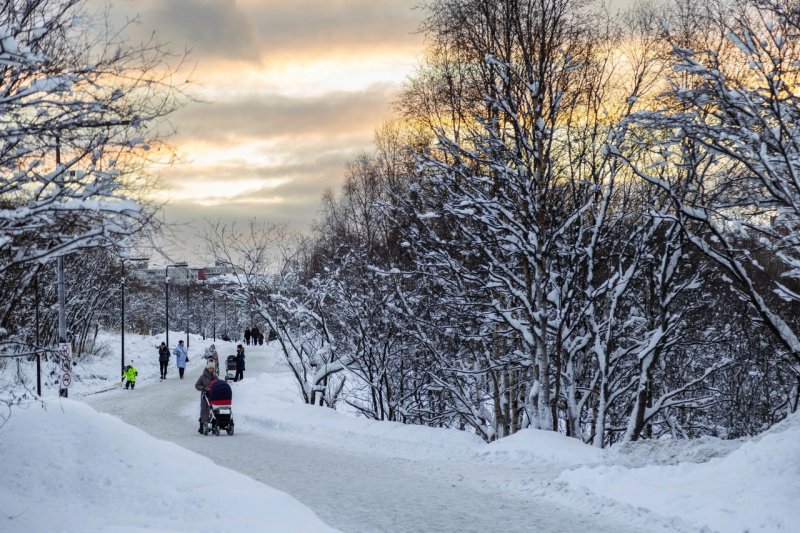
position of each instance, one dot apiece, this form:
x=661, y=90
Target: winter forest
x=579, y=219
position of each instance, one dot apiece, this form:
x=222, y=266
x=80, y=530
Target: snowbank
x=68, y=468
x=548, y=446
x=754, y=488
x=71, y=469
x=270, y=402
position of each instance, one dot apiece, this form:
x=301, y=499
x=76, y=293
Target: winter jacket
x=204, y=380
x=181, y=355
x=240, y=361
x=163, y=354
x=130, y=374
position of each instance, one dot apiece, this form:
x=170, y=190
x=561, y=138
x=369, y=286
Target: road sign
x=66, y=365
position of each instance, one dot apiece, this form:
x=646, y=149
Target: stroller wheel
x=230, y=428
x=215, y=431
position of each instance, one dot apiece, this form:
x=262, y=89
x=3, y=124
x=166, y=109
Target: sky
x=291, y=91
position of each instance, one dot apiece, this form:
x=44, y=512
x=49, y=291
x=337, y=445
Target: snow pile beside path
x=271, y=402
x=550, y=446
x=69, y=468
x=754, y=488
x=671, y=451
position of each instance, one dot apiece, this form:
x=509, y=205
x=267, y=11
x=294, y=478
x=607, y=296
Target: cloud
x=212, y=28
x=295, y=89
x=269, y=116
x=278, y=30
x=324, y=25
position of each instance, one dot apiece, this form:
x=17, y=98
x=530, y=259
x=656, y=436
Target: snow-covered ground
x=72, y=467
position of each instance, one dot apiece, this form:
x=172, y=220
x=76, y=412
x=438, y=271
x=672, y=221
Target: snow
x=72, y=467
x=754, y=488
x=100, y=474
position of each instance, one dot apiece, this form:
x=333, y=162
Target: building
x=182, y=274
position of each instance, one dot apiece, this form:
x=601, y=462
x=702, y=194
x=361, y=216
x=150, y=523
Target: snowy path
x=356, y=491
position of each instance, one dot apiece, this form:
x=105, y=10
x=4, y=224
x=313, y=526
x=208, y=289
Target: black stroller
x=219, y=397
x=230, y=367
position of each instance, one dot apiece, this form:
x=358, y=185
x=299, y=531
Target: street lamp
x=166, y=292
x=188, y=309
x=214, y=306
x=38, y=353
x=122, y=305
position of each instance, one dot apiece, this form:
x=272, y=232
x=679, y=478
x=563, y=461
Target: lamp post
x=214, y=305
x=122, y=306
x=166, y=292
x=38, y=354
x=188, y=308
x=64, y=347
x=202, y=276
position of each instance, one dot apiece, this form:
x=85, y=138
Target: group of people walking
x=253, y=334
x=210, y=371
x=182, y=357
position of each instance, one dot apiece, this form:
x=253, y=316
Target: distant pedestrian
x=129, y=377
x=181, y=357
x=247, y=334
x=239, y=363
x=260, y=338
x=163, y=359
x=254, y=333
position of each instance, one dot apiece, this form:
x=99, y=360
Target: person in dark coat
x=209, y=374
x=260, y=338
x=163, y=359
x=254, y=335
x=239, y=363
x=247, y=334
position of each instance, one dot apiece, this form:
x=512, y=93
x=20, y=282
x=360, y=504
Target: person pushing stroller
x=209, y=374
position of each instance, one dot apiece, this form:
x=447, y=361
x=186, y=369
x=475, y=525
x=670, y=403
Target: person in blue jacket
x=181, y=357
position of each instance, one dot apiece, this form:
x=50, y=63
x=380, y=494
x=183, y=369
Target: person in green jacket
x=129, y=376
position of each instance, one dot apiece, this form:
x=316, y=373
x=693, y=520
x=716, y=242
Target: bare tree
x=81, y=107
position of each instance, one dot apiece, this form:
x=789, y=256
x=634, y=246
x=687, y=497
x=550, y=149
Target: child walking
x=129, y=377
